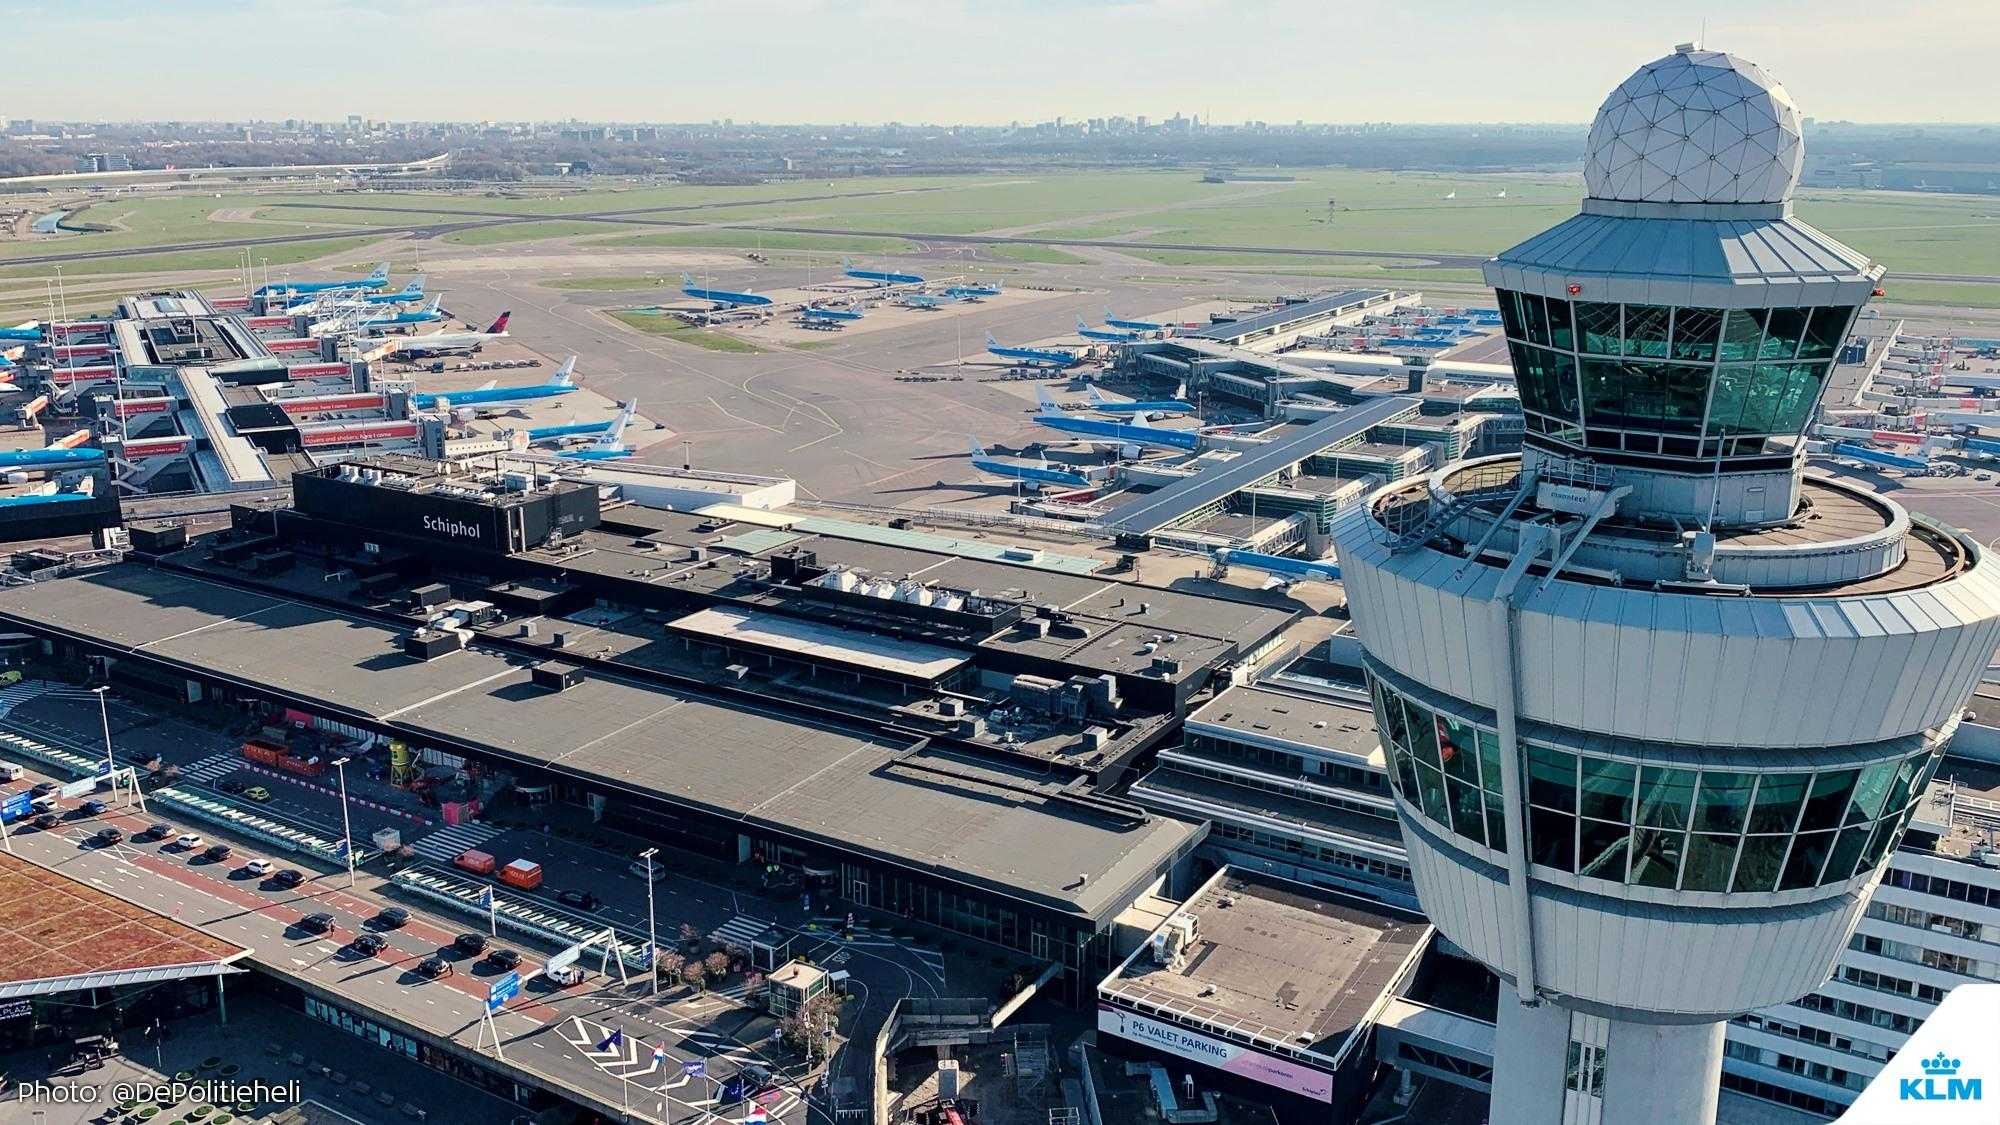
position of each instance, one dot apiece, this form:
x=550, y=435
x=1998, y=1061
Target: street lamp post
x=104, y=717
x=346, y=826
x=652, y=932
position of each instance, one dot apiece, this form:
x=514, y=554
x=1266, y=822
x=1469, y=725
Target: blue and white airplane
x=377, y=280
x=423, y=315
x=609, y=445
x=971, y=292
x=412, y=291
x=614, y=426
x=1143, y=409
x=1109, y=334
x=882, y=276
x=724, y=297
x=31, y=332
x=481, y=399
x=1100, y=432
x=923, y=301
x=1136, y=325
x=813, y=312
x=1036, y=473
x=1286, y=570
x=1038, y=356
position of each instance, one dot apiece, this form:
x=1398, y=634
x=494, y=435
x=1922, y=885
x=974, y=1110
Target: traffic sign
x=694, y=1068
x=79, y=787
x=16, y=805
x=503, y=990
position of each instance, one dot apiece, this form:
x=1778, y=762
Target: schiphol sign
x=1940, y=1075
x=1229, y=1058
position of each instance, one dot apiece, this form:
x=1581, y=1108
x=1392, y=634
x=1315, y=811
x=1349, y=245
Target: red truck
x=280, y=757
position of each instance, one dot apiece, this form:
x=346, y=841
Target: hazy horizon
x=953, y=62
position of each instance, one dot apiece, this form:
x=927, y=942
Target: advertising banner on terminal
x=1230, y=1058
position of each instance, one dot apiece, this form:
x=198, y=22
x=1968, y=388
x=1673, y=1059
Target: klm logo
x=1940, y=1083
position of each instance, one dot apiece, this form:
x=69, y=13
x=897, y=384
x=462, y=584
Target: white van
x=9, y=772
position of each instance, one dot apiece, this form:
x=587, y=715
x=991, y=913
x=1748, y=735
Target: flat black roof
x=1289, y=314
x=977, y=822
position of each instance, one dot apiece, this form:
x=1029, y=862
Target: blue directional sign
x=16, y=806
x=503, y=990
x=694, y=1068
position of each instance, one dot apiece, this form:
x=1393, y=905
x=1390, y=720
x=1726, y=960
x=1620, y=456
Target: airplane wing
x=489, y=384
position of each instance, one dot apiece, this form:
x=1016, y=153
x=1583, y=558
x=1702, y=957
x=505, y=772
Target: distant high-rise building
x=1656, y=704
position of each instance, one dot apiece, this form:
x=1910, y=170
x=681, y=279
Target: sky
x=969, y=61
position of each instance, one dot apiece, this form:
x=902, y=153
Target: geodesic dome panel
x=1695, y=127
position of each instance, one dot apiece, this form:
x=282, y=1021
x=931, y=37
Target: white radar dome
x=1695, y=127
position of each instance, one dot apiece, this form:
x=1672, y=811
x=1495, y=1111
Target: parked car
x=91, y=808
x=504, y=959
x=44, y=788
x=316, y=923
x=369, y=944
x=392, y=918
x=469, y=943
x=287, y=879
x=216, y=853
x=46, y=821
x=231, y=785
x=435, y=967
x=189, y=841
x=155, y=832
x=259, y=867
x=109, y=836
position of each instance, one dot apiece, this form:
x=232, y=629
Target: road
x=560, y=1035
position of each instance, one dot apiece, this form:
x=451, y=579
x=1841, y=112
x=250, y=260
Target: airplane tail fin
x=991, y=342
x=565, y=376
x=616, y=430
x=415, y=286
x=381, y=272
x=499, y=324
x=1046, y=400
x=1096, y=396
x=1080, y=325
x=437, y=304
x=978, y=450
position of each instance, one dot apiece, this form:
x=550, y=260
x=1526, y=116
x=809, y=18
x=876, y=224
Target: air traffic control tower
x=1657, y=703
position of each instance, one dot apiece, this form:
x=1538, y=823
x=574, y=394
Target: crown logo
x=1940, y=1064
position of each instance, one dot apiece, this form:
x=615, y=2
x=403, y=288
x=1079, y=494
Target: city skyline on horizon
x=1435, y=62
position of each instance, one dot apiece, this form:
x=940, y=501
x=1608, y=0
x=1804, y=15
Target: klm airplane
x=1286, y=570
x=423, y=315
x=1151, y=408
x=923, y=301
x=613, y=426
x=1114, y=433
x=722, y=297
x=606, y=446
x=412, y=290
x=1030, y=355
x=1135, y=325
x=883, y=277
x=971, y=292
x=490, y=395
x=377, y=280
x=1108, y=334
x=815, y=313
x=29, y=331
x=1036, y=473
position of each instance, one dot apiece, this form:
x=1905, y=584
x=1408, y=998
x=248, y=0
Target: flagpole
x=492, y=923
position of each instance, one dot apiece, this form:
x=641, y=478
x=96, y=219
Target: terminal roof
x=1261, y=713
x=864, y=790
x=1286, y=964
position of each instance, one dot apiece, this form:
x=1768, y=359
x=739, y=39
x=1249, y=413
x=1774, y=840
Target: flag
x=756, y=1115
x=615, y=1039
x=659, y=1054
x=486, y=898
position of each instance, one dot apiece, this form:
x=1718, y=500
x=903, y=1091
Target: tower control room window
x=1651, y=824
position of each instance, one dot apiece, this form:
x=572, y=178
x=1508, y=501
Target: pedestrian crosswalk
x=212, y=767
x=445, y=844
x=739, y=931
x=13, y=695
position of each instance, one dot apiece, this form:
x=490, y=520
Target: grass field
x=655, y=324
x=189, y=261
x=1045, y=255
x=732, y=239
x=522, y=232
x=1950, y=294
